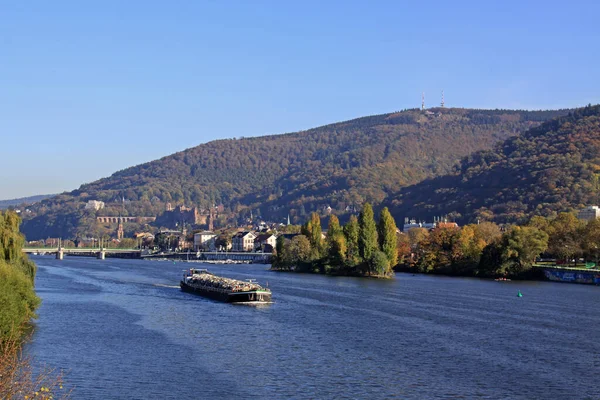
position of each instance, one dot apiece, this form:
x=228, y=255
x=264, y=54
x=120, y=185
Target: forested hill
x=551, y=168
x=337, y=165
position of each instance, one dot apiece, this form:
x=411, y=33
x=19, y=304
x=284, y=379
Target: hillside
x=4, y=204
x=551, y=168
x=337, y=165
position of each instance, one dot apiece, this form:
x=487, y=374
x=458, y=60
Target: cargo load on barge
x=204, y=283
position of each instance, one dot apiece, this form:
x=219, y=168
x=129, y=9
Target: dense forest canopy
x=551, y=168
x=339, y=166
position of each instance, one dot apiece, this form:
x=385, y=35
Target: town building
x=409, y=224
x=265, y=242
x=94, y=205
x=204, y=241
x=438, y=222
x=243, y=241
x=589, y=213
x=447, y=225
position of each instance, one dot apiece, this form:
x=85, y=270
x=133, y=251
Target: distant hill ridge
x=552, y=168
x=338, y=165
x=4, y=204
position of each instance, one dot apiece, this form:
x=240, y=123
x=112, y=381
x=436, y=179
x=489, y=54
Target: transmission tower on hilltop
x=422, y=101
x=443, y=104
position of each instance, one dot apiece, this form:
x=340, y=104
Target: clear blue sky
x=91, y=87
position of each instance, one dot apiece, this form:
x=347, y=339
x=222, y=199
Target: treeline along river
x=123, y=329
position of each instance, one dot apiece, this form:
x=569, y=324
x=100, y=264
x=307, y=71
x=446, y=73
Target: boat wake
x=253, y=303
x=167, y=286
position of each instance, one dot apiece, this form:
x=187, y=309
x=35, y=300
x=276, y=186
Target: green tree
x=279, y=244
x=522, y=244
x=18, y=301
x=492, y=260
x=297, y=252
x=565, y=232
x=336, y=243
x=379, y=263
x=312, y=230
x=351, y=233
x=539, y=222
x=367, y=233
x=386, y=229
x=591, y=239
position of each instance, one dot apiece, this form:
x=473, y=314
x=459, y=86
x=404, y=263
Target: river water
x=123, y=330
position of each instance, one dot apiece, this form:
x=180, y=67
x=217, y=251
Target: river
x=123, y=330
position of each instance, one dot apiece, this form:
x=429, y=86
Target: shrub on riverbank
x=18, y=300
x=18, y=303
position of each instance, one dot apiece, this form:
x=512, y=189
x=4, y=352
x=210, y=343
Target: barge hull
x=572, y=276
x=234, y=297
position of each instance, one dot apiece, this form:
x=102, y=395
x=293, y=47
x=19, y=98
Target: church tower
x=120, y=232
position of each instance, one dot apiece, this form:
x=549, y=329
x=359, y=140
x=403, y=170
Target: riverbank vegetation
x=364, y=247
x=488, y=250
x=360, y=248
x=18, y=303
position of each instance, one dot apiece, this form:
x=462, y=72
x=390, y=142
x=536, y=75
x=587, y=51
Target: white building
x=243, y=241
x=204, y=241
x=589, y=213
x=265, y=241
x=94, y=205
x=408, y=225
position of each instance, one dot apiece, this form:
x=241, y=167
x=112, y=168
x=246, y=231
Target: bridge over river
x=99, y=253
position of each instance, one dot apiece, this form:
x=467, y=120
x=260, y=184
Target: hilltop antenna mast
x=443, y=104
x=422, y=101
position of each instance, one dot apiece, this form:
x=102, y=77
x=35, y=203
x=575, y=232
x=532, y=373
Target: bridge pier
x=60, y=254
x=101, y=255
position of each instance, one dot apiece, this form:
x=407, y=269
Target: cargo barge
x=204, y=283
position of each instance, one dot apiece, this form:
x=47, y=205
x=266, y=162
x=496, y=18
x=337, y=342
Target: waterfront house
x=243, y=241
x=265, y=242
x=204, y=241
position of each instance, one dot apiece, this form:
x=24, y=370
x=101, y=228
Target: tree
x=351, y=234
x=367, y=233
x=18, y=301
x=437, y=250
x=521, y=246
x=127, y=243
x=403, y=248
x=336, y=243
x=386, y=230
x=591, y=239
x=312, y=230
x=564, y=233
x=488, y=232
x=417, y=235
x=297, y=251
x=491, y=260
x=223, y=241
x=279, y=244
x=378, y=263
x=539, y=222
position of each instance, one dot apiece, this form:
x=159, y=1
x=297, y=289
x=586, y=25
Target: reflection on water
x=123, y=329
